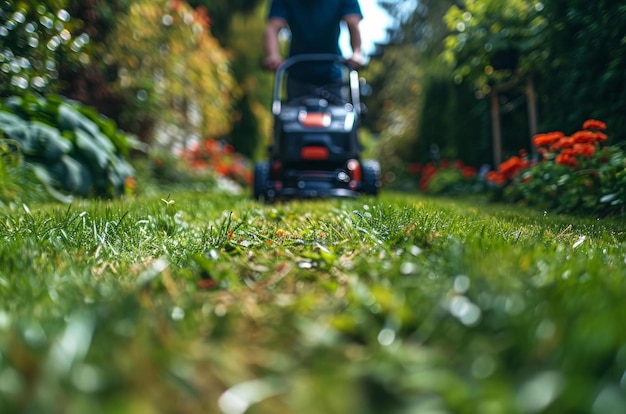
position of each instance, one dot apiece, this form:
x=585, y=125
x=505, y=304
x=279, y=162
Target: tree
x=92, y=81
x=171, y=69
x=251, y=129
x=420, y=113
x=238, y=26
x=496, y=48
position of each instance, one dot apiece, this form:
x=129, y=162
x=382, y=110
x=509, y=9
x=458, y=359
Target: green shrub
x=71, y=148
x=576, y=173
x=18, y=184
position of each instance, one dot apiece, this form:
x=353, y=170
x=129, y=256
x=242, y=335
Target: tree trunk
x=496, y=130
x=531, y=101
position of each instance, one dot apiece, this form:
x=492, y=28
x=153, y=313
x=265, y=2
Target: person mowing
x=315, y=27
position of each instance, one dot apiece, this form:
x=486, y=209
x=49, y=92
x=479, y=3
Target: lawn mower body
x=315, y=150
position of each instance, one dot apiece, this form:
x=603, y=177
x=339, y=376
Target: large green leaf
x=70, y=146
x=79, y=179
x=9, y=119
x=43, y=174
x=49, y=141
x=119, y=171
x=38, y=140
x=95, y=154
x=71, y=119
x=22, y=136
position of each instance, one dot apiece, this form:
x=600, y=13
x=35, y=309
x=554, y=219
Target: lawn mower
x=315, y=150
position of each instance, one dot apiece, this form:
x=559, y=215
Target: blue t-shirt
x=314, y=24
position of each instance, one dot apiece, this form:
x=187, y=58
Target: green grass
x=211, y=303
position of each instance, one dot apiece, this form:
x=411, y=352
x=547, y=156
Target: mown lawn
x=212, y=303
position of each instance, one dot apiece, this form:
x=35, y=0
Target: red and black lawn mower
x=315, y=150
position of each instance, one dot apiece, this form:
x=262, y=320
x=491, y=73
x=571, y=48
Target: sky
x=373, y=27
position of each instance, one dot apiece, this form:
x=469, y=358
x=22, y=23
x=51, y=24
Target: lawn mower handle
x=315, y=57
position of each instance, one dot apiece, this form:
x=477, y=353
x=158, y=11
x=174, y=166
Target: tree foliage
x=420, y=114
x=238, y=26
x=92, y=82
x=574, y=49
x=585, y=76
x=574, y=52
x=491, y=43
x=35, y=39
x=251, y=117
x=171, y=69
x=223, y=13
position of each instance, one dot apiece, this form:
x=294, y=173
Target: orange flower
x=585, y=136
x=567, y=158
x=130, y=185
x=211, y=145
x=547, y=139
x=564, y=142
x=601, y=137
x=495, y=177
x=512, y=166
x=584, y=149
x=594, y=124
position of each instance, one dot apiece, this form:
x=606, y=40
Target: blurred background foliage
x=175, y=72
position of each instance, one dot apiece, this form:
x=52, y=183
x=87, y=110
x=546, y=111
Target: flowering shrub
x=445, y=177
x=211, y=155
x=574, y=174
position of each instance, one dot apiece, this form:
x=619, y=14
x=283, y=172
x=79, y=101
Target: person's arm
x=273, y=59
x=352, y=21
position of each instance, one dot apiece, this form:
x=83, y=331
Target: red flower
x=495, y=178
x=512, y=166
x=564, y=142
x=601, y=137
x=468, y=172
x=547, y=139
x=584, y=149
x=594, y=124
x=567, y=158
x=582, y=137
x=414, y=168
x=429, y=170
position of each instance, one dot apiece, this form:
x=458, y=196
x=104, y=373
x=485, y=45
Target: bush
x=221, y=158
x=445, y=177
x=72, y=149
x=576, y=174
x=18, y=184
